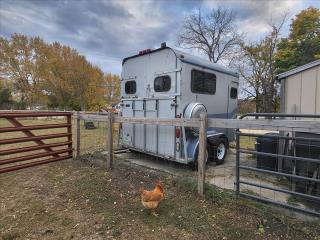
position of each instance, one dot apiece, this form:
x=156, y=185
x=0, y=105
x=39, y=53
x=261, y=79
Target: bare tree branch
x=215, y=34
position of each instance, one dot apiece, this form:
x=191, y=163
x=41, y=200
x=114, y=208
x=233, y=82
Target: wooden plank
x=202, y=153
x=267, y=124
x=110, y=142
x=148, y=121
x=179, y=122
x=258, y=124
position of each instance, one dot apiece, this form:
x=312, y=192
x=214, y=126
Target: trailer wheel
x=220, y=151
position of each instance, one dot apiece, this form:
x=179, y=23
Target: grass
x=71, y=199
x=246, y=142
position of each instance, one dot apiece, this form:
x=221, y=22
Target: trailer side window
x=162, y=84
x=203, y=82
x=233, y=93
x=130, y=87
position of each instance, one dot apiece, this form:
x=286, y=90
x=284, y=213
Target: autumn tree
x=112, y=84
x=214, y=34
x=303, y=43
x=52, y=74
x=256, y=68
x=19, y=60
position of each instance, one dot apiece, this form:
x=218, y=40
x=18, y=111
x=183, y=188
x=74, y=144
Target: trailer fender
x=193, y=143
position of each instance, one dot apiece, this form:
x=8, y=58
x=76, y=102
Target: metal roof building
x=300, y=89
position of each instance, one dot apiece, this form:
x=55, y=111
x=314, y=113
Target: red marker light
x=178, y=133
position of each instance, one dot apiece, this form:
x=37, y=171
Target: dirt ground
x=74, y=200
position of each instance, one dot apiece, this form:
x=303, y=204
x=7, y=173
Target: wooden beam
x=267, y=124
x=202, y=153
x=263, y=124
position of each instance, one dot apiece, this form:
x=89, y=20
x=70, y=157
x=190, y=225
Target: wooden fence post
x=202, y=152
x=110, y=142
x=78, y=134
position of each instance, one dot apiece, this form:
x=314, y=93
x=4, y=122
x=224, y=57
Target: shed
x=300, y=89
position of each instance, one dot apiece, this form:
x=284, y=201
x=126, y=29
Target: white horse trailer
x=167, y=83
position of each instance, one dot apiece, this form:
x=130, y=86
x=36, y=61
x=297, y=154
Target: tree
x=257, y=70
x=214, y=34
x=112, y=83
x=51, y=74
x=303, y=43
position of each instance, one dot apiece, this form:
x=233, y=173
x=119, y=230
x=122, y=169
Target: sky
x=106, y=31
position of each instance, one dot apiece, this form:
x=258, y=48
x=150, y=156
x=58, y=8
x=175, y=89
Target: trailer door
x=166, y=134
x=139, y=129
x=151, y=130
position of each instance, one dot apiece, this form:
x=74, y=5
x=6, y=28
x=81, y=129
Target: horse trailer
x=167, y=83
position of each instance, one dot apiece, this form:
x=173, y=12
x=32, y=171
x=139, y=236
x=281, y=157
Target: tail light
x=178, y=133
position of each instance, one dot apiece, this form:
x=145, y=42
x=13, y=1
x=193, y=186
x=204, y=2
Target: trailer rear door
x=166, y=134
x=150, y=138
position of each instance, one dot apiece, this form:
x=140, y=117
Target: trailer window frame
x=205, y=90
x=233, y=93
x=166, y=89
x=130, y=89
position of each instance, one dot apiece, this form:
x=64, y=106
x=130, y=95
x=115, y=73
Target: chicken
x=152, y=199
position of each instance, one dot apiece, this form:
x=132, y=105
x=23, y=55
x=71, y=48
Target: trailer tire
x=220, y=151
x=194, y=165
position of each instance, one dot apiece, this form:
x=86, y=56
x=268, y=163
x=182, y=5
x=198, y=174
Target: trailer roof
x=188, y=58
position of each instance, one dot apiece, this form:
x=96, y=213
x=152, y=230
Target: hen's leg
x=153, y=212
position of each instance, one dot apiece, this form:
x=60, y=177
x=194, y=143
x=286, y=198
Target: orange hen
x=152, y=199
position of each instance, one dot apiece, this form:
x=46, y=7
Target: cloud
x=254, y=16
x=107, y=31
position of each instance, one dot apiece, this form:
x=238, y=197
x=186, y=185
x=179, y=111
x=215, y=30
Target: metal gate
x=290, y=157
x=16, y=148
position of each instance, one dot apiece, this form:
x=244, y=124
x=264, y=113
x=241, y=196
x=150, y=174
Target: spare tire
x=193, y=110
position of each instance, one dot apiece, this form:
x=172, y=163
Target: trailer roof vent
x=144, y=51
x=163, y=45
